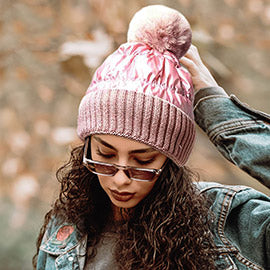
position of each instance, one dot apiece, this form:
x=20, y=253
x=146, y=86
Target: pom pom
x=161, y=28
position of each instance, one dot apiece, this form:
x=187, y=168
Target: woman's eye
x=145, y=162
x=99, y=153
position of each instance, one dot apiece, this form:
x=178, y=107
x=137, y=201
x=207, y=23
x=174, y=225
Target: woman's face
x=122, y=191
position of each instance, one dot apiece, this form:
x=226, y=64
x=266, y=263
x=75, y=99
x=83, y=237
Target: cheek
x=103, y=181
x=144, y=189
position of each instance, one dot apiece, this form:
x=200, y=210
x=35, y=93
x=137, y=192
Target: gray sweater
x=104, y=259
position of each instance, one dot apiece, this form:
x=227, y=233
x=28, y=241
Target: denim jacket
x=242, y=214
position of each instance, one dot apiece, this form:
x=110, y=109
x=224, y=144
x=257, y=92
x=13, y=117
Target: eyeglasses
x=109, y=169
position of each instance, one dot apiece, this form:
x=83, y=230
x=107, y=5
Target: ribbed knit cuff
x=140, y=117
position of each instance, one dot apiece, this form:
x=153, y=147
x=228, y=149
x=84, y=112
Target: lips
x=121, y=196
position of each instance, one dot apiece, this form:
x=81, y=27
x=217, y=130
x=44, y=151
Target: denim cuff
x=207, y=92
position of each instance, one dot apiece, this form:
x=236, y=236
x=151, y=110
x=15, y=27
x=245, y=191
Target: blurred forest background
x=48, y=53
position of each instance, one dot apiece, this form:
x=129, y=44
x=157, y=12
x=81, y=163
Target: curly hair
x=169, y=229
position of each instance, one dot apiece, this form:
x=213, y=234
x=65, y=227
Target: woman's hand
x=200, y=74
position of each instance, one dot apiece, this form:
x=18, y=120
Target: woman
x=127, y=201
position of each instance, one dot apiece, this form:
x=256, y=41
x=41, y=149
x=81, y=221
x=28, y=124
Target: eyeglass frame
x=157, y=172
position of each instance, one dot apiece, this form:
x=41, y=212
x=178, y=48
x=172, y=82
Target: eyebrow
x=137, y=151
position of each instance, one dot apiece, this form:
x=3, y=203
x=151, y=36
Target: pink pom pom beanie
x=141, y=91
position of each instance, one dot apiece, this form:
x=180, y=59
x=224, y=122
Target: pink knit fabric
x=142, y=94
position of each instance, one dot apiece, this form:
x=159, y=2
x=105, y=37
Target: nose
x=121, y=179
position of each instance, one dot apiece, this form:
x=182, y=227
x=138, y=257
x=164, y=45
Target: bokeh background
x=48, y=53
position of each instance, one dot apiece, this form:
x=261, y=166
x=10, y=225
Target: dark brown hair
x=169, y=229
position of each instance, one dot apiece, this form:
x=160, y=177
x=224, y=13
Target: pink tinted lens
x=140, y=174
x=104, y=169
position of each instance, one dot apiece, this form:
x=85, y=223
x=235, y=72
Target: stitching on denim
x=227, y=201
x=57, y=263
x=240, y=122
x=44, y=247
x=231, y=262
x=247, y=262
x=58, y=253
x=228, y=187
x=224, y=255
x=209, y=97
x=225, y=128
x=232, y=125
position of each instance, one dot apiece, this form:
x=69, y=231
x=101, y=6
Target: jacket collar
x=64, y=239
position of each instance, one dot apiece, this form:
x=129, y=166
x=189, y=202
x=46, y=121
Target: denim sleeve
x=239, y=132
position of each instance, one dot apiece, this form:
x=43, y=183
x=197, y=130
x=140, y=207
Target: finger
x=189, y=64
x=193, y=54
x=192, y=50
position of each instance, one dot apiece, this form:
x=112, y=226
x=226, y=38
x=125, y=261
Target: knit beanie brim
x=144, y=118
